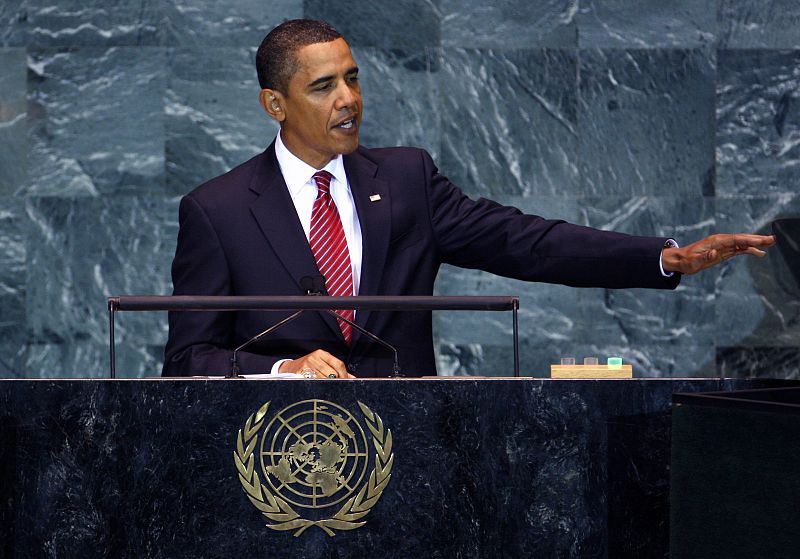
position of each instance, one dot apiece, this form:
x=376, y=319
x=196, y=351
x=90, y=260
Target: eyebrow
x=325, y=79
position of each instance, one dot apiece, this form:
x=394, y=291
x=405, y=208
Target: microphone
x=234, y=372
x=318, y=285
x=395, y=363
x=314, y=286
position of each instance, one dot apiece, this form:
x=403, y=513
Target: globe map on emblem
x=314, y=454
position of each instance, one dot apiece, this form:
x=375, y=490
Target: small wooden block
x=591, y=371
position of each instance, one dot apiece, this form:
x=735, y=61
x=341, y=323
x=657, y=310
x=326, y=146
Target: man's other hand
x=320, y=362
x=712, y=250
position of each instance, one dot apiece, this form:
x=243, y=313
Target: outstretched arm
x=713, y=250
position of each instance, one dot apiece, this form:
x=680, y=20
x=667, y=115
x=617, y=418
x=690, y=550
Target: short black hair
x=276, y=62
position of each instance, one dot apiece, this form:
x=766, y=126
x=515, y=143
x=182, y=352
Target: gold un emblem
x=313, y=459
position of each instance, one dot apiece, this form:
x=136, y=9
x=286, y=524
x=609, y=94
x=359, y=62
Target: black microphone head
x=319, y=285
x=313, y=285
x=307, y=284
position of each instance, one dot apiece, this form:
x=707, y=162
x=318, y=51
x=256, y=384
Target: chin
x=350, y=147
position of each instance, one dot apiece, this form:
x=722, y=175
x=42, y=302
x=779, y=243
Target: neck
x=318, y=162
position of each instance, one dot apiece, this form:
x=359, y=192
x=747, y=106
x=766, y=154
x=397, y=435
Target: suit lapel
x=274, y=212
x=373, y=204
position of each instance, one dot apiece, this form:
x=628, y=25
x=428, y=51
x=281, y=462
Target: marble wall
x=678, y=119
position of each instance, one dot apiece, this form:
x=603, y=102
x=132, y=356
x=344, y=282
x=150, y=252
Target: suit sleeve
x=200, y=342
x=502, y=240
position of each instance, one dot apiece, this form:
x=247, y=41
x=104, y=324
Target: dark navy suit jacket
x=240, y=235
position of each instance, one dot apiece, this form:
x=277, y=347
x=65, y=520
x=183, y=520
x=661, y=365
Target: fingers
x=748, y=244
x=753, y=251
x=332, y=375
x=324, y=364
x=739, y=241
x=317, y=364
x=754, y=240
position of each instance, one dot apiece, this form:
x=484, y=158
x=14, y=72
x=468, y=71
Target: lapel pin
x=374, y=197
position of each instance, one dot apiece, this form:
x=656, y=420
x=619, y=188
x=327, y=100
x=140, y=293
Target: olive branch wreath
x=280, y=512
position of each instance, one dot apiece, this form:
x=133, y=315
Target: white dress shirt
x=298, y=176
x=303, y=190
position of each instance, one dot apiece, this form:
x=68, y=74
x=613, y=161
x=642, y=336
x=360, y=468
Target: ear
x=272, y=101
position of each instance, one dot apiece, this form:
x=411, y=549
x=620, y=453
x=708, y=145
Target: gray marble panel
x=547, y=313
x=758, y=122
x=646, y=23
x=401, y=98
x=13, y=23
x=381, y=23
x=89, y=358
x=13, y=120
x=213, y=118
x=71, y=358
x=12, y=355
x=646, y=122
x=509, y=121
x=486, y=360
x=96, y=121
x=81, y=251
x=507, y=124
x=759, y=362
x=651, y=317
x=509, y=23
x=244, y=23
x=12, y=278
x=108, y=23
x=758, y=302
x=758, y=23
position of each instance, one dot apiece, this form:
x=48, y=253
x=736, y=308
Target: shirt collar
x=297, y=173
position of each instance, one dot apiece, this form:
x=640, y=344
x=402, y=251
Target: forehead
x=322, y=59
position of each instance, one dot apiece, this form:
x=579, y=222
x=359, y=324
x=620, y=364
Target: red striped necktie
x=329, y=246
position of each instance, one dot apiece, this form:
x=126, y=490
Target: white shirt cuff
x=670, y=243
x=276, y=367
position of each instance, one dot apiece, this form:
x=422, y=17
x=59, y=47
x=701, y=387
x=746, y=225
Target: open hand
x=712, y=250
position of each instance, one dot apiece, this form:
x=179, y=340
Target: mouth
x=348, y=124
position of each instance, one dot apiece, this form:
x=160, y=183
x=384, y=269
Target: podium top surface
x=750, y=382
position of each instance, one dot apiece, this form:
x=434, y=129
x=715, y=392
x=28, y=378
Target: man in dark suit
x=388, y=218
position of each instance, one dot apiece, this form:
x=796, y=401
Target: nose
x=347, y=98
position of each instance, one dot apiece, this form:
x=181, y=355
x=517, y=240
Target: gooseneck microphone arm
x=396, y=362
x=315, y=285
x=234, y=372
x=312, y=286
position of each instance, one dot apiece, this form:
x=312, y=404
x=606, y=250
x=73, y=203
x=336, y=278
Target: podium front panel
x=444, y=467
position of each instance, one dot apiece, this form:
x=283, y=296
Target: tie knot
x=323, y=180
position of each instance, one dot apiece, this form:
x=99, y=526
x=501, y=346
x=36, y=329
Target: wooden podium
x=444, y=467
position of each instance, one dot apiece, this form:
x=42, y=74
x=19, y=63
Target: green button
x=615, y=361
